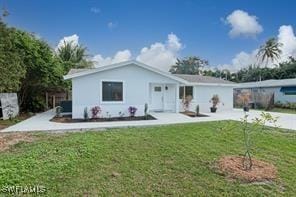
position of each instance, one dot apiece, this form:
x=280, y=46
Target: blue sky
x=106, y=27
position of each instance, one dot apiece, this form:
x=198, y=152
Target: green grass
x=167, y=160
x=282, y=110
x=7, y=123
x=276, y=109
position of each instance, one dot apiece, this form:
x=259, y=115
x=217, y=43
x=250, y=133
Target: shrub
x=146, y=109
x=95, y=111
x=59, y=110
x=85, y=114
x=286, y=105
x=197, y=109
x=132, y=111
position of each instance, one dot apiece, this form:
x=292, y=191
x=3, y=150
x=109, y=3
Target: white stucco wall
x=203, y=95
x=86, y=90
x=281, y=97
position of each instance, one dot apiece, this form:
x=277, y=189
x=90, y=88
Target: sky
x=227, y=33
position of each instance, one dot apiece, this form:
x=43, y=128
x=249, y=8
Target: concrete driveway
x=41, y=122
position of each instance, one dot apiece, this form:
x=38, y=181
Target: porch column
x=177, y=98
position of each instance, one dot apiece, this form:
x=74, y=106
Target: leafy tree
x=43, y=71
x=28, y=66
x=73, y=56
x=11, y=65
x=190, y=65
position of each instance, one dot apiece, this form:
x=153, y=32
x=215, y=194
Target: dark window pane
x=181, y=92
x=157, y=89
x=189, y=91
x=112, y=91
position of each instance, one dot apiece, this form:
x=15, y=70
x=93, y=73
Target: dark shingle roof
x=202, y=79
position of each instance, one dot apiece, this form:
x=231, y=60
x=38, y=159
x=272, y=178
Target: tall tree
x=28, y=66
x=11, y=65
x=191, y=65
x=270, y=50
x=73, y=56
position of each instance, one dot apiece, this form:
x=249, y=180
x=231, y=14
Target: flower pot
x=213, y=109
x=246, y=109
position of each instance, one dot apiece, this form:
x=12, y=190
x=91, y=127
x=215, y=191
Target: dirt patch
x=68, y=119
x=9, y=139
x=232, y=167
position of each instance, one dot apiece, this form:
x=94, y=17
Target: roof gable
x=74, y=73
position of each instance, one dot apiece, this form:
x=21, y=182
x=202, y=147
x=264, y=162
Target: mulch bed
x=9, y=139
x=232, y=167
x=193, y=114
x=68, y=119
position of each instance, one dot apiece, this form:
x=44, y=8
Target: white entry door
x=157, y=97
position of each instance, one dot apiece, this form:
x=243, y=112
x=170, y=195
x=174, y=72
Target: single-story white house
x=282, y=90
x=114, y=88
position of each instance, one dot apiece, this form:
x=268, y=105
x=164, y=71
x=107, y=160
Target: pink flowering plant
x=95, y=111
x=132, y=111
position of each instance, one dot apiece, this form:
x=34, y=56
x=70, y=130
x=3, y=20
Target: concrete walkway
x=40, y=122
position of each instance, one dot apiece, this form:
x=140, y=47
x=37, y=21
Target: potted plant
x=132, y=111
x=215, y=101
x=244, y=99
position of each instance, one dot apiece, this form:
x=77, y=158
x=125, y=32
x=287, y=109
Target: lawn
x=282, y=110
x=279, y=110
x=167, y=160
x=7, y=123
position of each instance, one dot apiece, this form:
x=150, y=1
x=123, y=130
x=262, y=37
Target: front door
x=157, y=97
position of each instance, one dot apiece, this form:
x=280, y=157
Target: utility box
x=9, y=107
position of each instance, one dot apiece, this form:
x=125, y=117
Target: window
x=185, y=91
x=112, y=91
x=157, y=89
x=288, y=90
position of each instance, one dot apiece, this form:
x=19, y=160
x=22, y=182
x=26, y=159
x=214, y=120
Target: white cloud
x=74, y=39
x=95, y=10
x=243, y=59
x=120, y=56
x=243, y=24
x=161, y=55
x=287, y=38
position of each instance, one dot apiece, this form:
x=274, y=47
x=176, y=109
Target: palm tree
x=270, y=50
x=74, y=56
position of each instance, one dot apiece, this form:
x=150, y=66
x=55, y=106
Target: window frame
x=112, y=102
x=184, y=91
